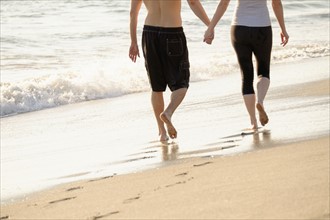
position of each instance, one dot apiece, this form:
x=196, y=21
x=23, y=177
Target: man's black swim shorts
x=166, y=57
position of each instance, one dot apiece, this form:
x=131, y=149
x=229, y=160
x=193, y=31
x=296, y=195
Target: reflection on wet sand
x=157, y=153
x=262, y=139
x=237, y=143
x=170, y=151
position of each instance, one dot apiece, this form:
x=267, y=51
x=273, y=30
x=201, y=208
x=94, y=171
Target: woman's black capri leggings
x=252, y=40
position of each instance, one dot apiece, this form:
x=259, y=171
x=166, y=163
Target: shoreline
x=286, y=182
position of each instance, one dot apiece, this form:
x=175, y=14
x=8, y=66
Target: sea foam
x=100, y=80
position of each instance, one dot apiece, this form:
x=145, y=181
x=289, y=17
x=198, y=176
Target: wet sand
x=287, y=182
x=282, y=172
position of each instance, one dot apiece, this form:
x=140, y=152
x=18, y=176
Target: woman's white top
x=251, y=13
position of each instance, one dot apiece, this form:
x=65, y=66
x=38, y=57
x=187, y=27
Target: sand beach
x=280, y=172
x=286, y=182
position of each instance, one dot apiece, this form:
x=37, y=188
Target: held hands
x=209, y=36
x=134, y=52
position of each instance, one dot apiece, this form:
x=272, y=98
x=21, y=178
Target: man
x=166, y=54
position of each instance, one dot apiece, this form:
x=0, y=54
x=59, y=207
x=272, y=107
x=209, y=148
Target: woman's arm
x=221, y=9
x=278, y=10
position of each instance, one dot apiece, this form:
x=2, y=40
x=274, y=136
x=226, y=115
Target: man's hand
x=134, y=52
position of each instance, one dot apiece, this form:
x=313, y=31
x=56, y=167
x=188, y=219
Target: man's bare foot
x=170, y=128
x=263, y=118
x=163, y=138
x=254, y=127
x=248, y=131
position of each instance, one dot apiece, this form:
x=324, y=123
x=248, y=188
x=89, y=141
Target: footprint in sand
x=182, y=174
x=158, y=188
x=74, y=188
x=202, y=164
x=62, y=200
x=105, y=215
x=131, y=199
x=102, y=178
x=177, y=183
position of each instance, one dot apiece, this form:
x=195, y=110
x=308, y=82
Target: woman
x=251, y=33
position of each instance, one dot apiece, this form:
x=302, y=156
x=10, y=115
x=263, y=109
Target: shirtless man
x=166, y=55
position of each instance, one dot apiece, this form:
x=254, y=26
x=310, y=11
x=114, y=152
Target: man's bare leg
x=262, y=89
x=157, y=101
x=176, y=98
x=250, y=101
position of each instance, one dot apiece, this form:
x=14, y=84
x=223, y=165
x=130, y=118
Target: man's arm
x=134, y=48
x=199, y=11
x=278, y=10
x=221, y=9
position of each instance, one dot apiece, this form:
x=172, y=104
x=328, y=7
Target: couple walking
x=166, y=54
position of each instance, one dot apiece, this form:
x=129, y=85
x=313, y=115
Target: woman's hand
x=284, y=38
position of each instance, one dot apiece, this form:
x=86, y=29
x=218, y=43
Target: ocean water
x=62, y=52
x=87, y=113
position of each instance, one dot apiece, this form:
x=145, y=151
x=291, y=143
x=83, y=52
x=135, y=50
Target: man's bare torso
x=163, y=13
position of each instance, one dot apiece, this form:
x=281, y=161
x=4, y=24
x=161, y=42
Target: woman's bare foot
x=263, y=118
x=170, y=128
x=254, y=124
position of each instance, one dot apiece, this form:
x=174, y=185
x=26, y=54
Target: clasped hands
x=209, y=35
